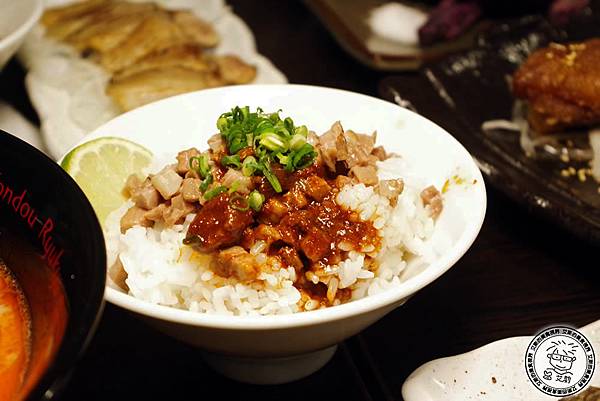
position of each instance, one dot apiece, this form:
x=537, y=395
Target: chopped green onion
x=282, y=159
x=203, y=168
x=245, y=111
x=301, y=130
x=231, y=161
x=297, y=142
x=272, y=142
x=263, y=127
x=234, y=187
x=273, y=139
x=304, y=157
x=206, y=182
x=222, y=123
x=272, y=179
x=255, y=200
x=249, y=166
x=282, y=131
x=235, y=200
x=216, y=191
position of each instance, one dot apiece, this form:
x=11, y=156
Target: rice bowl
x=174, y=124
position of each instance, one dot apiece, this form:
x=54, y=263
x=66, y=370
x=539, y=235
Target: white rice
x=162, y=270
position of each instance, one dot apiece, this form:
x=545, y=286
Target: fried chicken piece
x=562, y=86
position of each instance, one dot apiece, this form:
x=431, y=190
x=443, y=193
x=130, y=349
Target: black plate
x=52, y=242
x=464, y=90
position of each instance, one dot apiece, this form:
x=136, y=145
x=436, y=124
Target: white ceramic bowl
x=275, y=349
x=17, y=17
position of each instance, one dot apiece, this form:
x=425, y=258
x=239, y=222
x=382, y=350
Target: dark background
x=521, y=274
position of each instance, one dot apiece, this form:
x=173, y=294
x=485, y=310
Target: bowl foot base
x=269, y=370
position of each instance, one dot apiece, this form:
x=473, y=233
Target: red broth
x=36, y=314
x=14, y=336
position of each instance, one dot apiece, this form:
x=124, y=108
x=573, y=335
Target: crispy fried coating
x=562, y=86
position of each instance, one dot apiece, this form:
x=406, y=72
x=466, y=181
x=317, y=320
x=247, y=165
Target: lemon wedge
x=101, y=168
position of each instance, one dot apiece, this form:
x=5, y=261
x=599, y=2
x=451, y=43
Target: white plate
x=494, y=372
x=68, y=92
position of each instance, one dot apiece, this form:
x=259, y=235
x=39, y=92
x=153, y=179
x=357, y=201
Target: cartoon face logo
x=560, y=361
x=562, y=355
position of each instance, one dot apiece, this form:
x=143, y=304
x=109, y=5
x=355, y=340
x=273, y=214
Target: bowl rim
x=21, y=31
x=390, y=297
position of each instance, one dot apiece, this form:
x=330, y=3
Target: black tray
x=468, y=88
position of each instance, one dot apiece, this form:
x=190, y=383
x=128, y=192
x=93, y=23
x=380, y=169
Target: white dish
x=16, y=20
x=494, y=372
x=274, y=349
x=69, y=93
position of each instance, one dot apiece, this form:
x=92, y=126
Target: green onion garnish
x=273, y=140
x=206, y=182
x=234, y=187
x=231, y=161
x=301, y=130
x=249, y=166
x=266, y=170
x=282, y=159
x=304, y=157
x=255, y=200
x=216, y=191
x=239, y=202
x=202, y=166
x=297, y=142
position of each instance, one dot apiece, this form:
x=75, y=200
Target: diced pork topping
x=167, y=182
x=391, y=189
x=145, y=195
x=432, y=198
x=183, y=160
x=135, y=216
x=235, y=262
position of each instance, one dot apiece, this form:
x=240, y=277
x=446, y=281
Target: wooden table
x=520, y=275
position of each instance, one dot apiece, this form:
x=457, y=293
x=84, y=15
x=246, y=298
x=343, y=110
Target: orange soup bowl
x=52, y=273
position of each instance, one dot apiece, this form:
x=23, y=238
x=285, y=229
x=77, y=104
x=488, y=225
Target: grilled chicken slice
x=155, y=33
x=234, y=71
x=59, y=15
x=107, y=30
x=187, y=55
x=148, y=86
x=197, y=30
